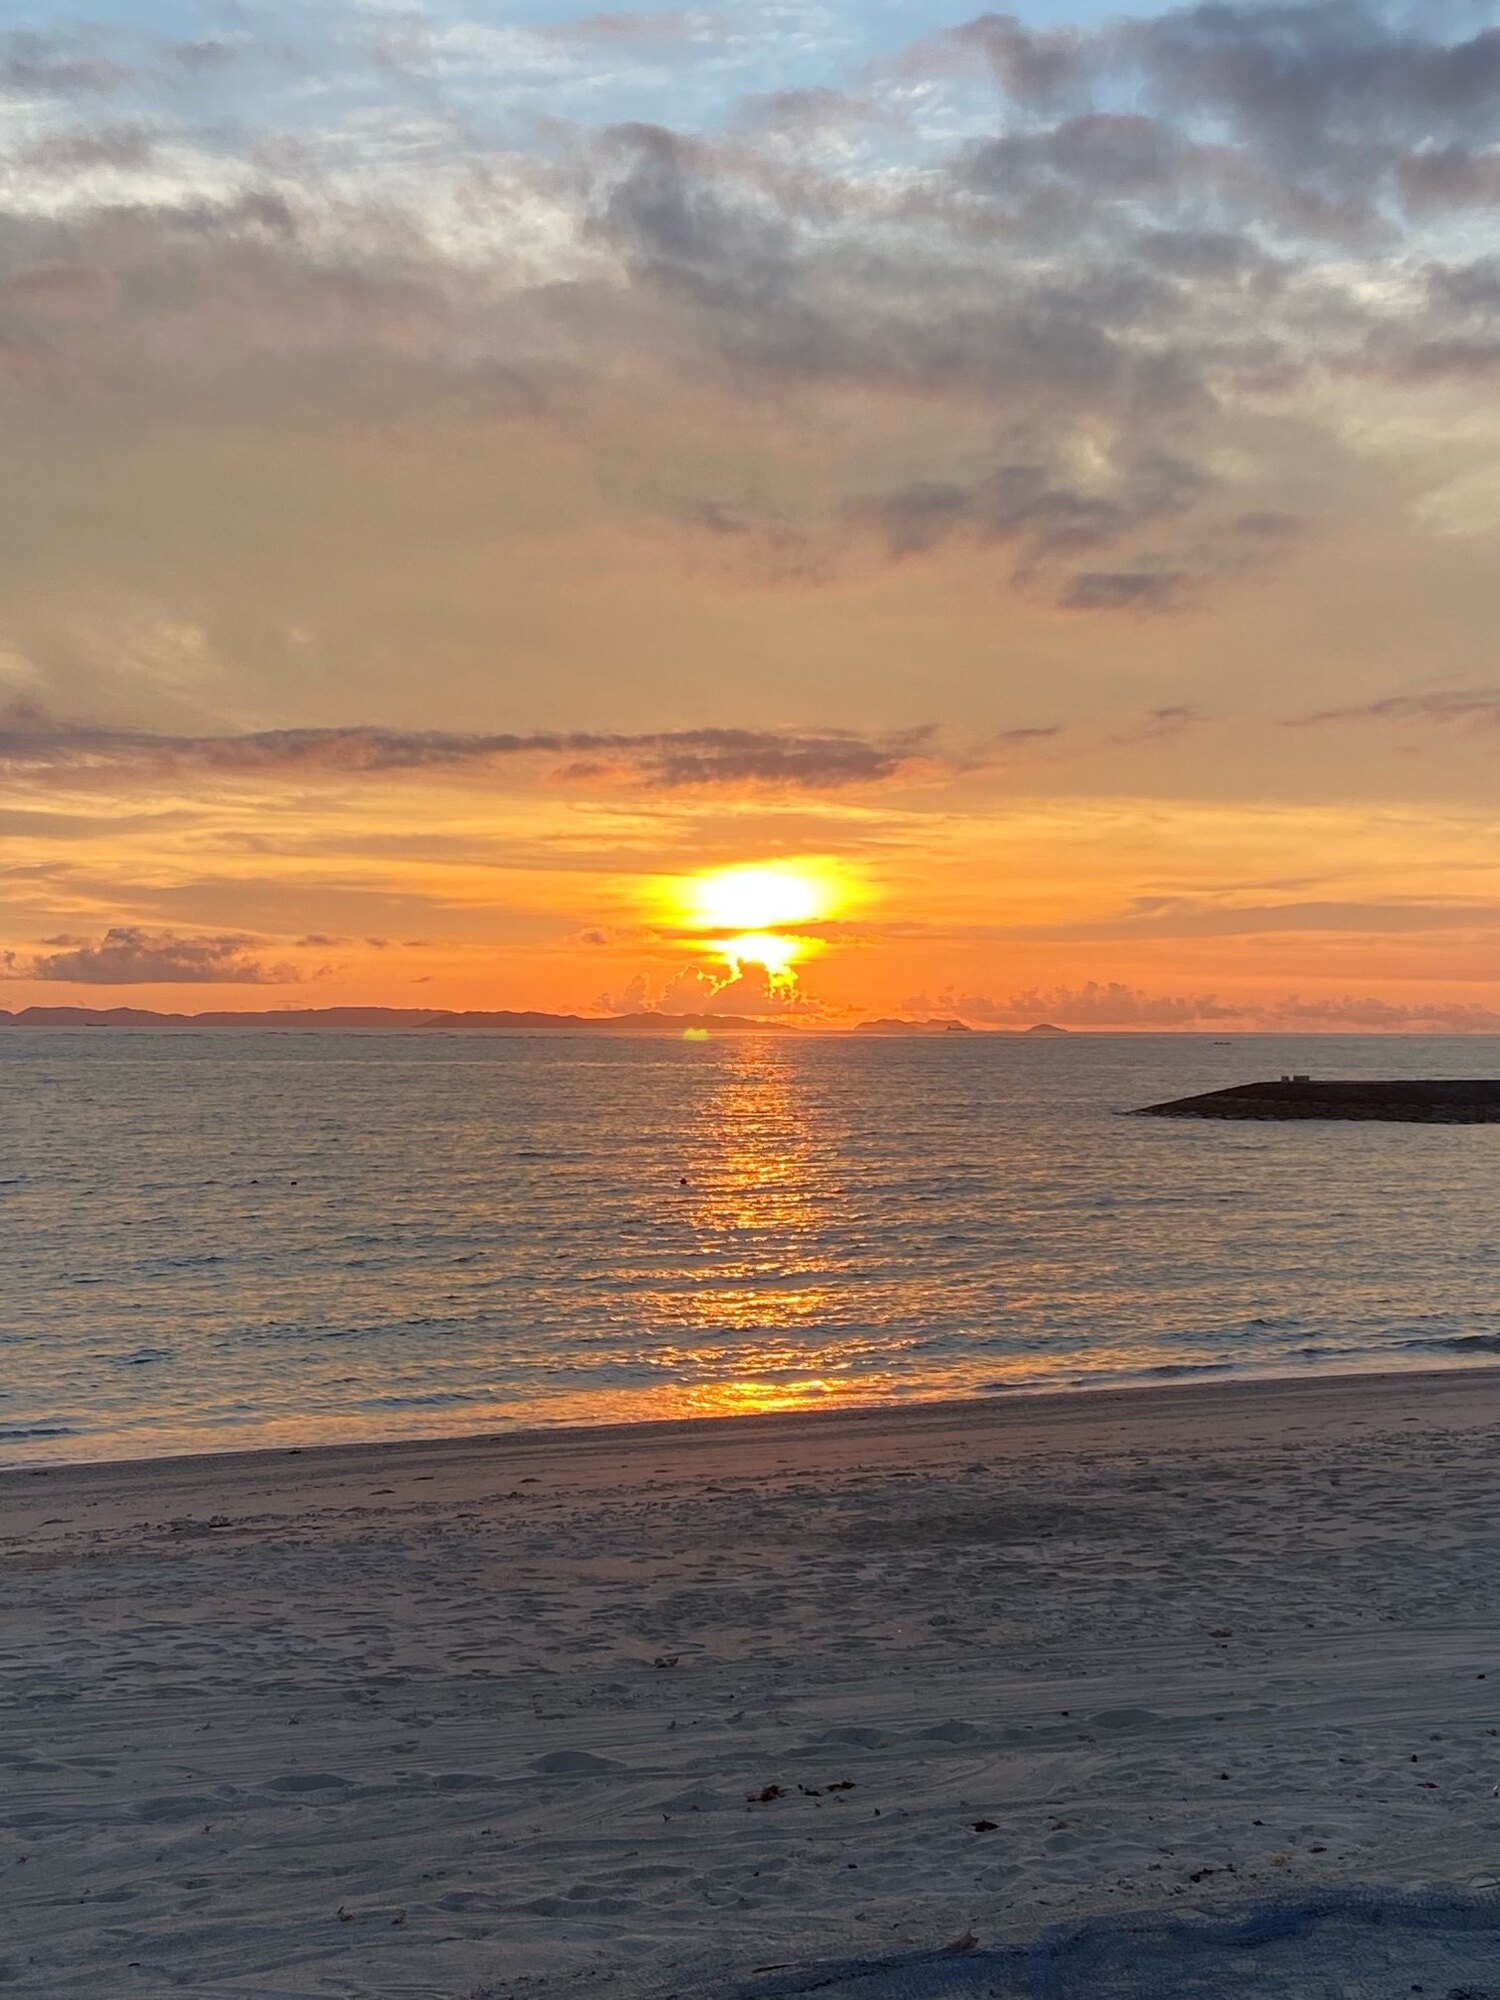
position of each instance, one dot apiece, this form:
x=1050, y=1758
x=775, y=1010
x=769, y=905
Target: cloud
x=704, y=989
x=1111, y=1004
x=45, y=824
x=662, y=24
x=1126, y=590
x=1324, y=92
x=1310, y=107
x=812, y=112
x=1052, y=331
x=1099, y=371
x=1123, y=153
x=1026, y=63
x=1031, y=504
x=1472, y=287
x=778, y=275
x=129, y=956
x=1475, y=708
x=33, y=742
x=1159, y=725
x=813, y=337
x=1395, y=1017
x=1439, y=177
x=1046, y=513
x=1207, y=254
x=57, y=65
x=81, y=150
x=826, y=760
x=1114, y=1004
x=1191, y=917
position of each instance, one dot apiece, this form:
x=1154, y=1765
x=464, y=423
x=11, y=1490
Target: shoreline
x=605, y=1711
x=1208, y=1383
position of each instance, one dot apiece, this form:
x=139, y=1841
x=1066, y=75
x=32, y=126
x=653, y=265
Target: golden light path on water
x=764, y=1318
x=764, y=1174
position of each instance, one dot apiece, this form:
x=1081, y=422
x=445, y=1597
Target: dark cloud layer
x=31, y=741
x=1475, y=708
x=1090, y=273
x=1312, y=113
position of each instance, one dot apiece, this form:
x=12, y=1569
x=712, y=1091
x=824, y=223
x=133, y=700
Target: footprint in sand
x=952, y=1732
x=860, y=1738
x=698, y=1798
x=573, y=1764
x=307, y=1781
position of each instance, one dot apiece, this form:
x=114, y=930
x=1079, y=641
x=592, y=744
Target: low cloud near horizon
x=129, y=956
x=1113, y=1004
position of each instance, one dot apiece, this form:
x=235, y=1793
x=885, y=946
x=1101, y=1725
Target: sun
x=754, y=911
x=776, y=953
x=756, y=898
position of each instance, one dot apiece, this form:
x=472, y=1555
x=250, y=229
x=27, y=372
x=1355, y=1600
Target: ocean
x=216, y=1240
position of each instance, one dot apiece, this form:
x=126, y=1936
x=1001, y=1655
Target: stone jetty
x=1437, y=1101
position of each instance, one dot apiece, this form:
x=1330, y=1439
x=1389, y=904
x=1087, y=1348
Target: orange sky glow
x=994, y=525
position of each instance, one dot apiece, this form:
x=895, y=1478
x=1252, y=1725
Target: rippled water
x=220, y=1239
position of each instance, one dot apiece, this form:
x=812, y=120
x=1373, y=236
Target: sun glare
x=753, y=912
x=754, y=900
x=776, y=954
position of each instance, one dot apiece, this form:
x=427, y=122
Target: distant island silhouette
x=395, y=1019
x=494, y=1021
x=889, y=1025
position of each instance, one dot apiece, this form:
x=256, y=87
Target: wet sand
x=597, y=1712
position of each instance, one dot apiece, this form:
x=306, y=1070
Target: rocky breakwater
x=1439, y=1101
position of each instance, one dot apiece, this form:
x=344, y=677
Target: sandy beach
x=602, y=1712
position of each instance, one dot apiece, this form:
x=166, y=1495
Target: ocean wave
x=1108, y=1378
x=1169, y=1370
x=23, y=1433
x=431, y=1399
x=1457, y=1343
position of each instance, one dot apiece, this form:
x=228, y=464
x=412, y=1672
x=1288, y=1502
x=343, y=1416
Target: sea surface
x=213, y=1240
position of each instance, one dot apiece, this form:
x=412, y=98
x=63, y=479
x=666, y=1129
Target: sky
x=810, y=510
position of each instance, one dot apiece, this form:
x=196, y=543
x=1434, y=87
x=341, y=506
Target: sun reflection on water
x=759, y=1165
x=755, y=1302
